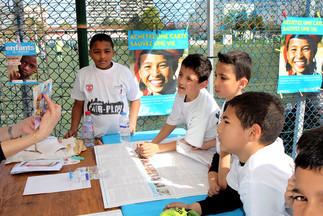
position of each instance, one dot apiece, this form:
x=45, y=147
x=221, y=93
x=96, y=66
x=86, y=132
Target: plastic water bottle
x=124, y=128
x=88, y=130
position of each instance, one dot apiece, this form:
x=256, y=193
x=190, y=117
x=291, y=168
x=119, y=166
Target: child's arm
x=206, y=145
x=77, y=112
x=134, y=110
x=148, y=150
x=224, y=168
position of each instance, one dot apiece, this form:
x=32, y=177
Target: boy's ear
x=203, y=84
x=243, y=82
x=90, y=54
x=255, y=132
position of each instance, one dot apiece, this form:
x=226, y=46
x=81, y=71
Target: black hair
x=101, y=37
x=311, y=155
x=310, y=137
x=200, y=64
x=260, y=108
x=241, y=62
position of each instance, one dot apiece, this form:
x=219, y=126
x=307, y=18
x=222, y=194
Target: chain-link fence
x=253, y=24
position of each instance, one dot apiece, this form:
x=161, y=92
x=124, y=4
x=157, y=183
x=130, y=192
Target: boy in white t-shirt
x=193, y=106
x=104, y=89
x=260, y=169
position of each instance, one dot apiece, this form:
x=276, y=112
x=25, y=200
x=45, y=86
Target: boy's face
x=102, y=53
x=188, y=83
x=308, y=192
x=232, y=136
x=225, y=83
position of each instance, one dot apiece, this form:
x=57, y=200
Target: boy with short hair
x=104, y=88
x=193, y=106
x=232, y=74
x=260, y=168
x=308, y=190
x=311, y=140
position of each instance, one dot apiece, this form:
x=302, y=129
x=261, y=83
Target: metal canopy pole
x=210, y=41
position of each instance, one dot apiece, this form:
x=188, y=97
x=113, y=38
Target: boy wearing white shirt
x=260, y=168
x=193, y=106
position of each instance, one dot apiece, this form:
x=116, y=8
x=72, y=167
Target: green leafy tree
x=256, y=21
x=150, y=19
x=111, y=22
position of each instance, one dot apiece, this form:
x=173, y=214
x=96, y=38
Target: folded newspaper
x=202, y=156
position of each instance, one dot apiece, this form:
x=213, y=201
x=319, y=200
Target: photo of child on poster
x=155, y=61
x=21, y=61
x=301, y=55
x=156, y=70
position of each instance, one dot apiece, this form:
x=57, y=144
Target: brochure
x=37, y=165
x=39, y=101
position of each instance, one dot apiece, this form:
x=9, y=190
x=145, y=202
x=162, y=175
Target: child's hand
x=71, y=133
x=147, y=150
x=176, y=204
x=289, y=191
x=27, y=126
x=214, y=184
x=132, y=129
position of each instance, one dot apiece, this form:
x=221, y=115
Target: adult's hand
x=26, y=126
x=49, y=120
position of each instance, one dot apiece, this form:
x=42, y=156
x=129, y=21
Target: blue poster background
x=299, y=83
x=151, y=40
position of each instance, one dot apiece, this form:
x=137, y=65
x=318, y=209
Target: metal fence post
x=210, y=41
x=82, y=32
x=299, y=122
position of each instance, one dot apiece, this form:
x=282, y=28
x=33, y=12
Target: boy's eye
x=300, y=198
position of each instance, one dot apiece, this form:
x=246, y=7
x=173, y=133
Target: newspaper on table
x=131, y=179
x=41, y=89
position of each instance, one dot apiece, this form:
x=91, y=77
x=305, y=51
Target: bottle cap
x=88, y=113
x=123, y=113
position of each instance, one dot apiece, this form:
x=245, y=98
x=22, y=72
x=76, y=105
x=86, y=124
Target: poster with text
x=21, y=63
x=155, y=59
x=301, y=56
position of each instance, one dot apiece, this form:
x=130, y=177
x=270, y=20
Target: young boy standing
x=193, y=106
x=260, y=168
x=232, y=74
x=104, y=89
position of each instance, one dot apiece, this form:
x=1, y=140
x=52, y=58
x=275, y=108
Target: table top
x=77, y=202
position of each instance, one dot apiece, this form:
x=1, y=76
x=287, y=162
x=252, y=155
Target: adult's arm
x=47, y=124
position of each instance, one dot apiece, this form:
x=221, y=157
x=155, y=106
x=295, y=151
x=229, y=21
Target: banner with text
x=155, y=59
x=301, y=55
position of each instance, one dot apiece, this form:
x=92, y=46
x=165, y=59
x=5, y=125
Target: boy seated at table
x=194, y=106
x=260, y=168
x=304, y=193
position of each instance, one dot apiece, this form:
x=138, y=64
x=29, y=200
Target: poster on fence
x=21, y=63
x=155, y=59
x=301, y=56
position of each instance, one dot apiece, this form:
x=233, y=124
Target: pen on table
x=77, y=157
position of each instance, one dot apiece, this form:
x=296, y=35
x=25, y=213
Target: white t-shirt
x=263, y=179
x=200, y=116
x=105, y=93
